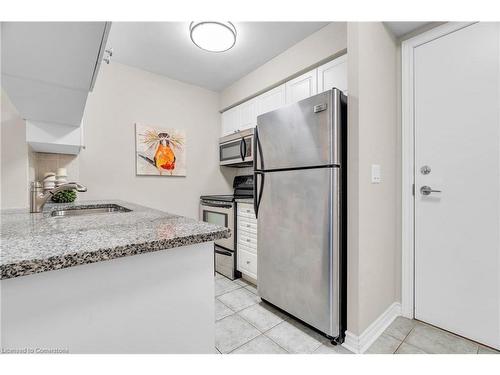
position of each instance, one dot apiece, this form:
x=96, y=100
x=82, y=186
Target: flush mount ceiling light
x=213, y=36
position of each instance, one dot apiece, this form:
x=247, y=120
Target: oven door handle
x=216, y=205
x=223, y=252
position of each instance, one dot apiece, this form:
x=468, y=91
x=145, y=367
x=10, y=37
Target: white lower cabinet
x=246, y=240
x=247, y=263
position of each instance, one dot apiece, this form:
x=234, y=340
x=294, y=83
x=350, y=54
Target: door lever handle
x=427, y=190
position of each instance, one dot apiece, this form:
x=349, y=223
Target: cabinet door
x=271, y=100
x=225, y=118
x=301, y=87
x=333, y=74
x=247, y=239
x=247, y=263
x=48, y=68
x=231, y=120
x=246, y=209
x=56, y=53
x=248, y=112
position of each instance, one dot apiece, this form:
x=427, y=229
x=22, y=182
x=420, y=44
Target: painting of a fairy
x=160, y=151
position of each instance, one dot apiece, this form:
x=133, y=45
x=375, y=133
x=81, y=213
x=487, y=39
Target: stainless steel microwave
x=236, y=150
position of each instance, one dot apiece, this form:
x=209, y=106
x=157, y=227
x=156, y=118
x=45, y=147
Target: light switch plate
x=376, y=174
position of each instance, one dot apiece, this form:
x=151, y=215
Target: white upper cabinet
x=302, y=87
x=40, y=101
x=54, y=138
x=271, y=100
x=333, y=74
x=231, y=120
x=244, y=116
x=248, y=114
x=59, y=53
x=48, y=68
x=327, y=76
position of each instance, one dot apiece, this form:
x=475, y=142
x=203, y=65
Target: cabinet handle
x=248, y=211
x=248, y=262
x=248, y=239
x=248, y=225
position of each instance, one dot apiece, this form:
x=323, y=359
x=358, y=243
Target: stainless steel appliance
x=236, y=150
x=220, y=210
x=300, y=179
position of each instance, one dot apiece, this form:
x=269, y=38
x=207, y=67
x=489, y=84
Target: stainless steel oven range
x=220, y=210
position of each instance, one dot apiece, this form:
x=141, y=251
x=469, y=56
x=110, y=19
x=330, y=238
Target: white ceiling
x=402, y=28
x=165, y=48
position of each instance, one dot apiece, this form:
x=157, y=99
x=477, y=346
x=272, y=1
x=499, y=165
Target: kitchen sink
x=89, y=210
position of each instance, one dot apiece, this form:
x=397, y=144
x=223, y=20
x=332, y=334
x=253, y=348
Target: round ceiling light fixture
x=213, y=36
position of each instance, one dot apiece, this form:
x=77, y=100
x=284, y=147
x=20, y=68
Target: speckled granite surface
x=33, y=243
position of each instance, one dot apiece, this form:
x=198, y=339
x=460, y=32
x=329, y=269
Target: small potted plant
x=65, y=196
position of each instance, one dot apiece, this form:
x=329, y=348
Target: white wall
x=373, y=249
x=324, y=43
x=14, y=157
x=123, y=96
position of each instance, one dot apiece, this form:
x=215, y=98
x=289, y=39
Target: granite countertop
x=33, y=243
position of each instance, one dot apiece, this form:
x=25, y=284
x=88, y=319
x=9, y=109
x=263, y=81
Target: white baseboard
x=359, y=344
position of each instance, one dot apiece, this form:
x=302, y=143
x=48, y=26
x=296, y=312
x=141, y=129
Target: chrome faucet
x=38, y=198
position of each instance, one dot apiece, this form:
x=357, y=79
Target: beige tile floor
x=246, y=325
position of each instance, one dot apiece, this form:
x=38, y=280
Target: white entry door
x=457, y=182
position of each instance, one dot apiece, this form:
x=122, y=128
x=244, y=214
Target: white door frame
x=408, y=160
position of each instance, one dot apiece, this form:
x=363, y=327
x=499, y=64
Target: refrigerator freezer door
x=298, y=242
x=300, y=135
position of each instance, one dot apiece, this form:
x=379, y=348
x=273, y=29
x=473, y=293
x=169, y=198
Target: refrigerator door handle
x=337, y=130
x=257, y=150
x=255, y=196
x=257, y=193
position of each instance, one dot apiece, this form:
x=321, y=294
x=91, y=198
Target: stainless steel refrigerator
x=300, y=167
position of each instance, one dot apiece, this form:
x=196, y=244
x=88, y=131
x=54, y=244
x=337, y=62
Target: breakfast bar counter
x=33, y=243
x=114, y=278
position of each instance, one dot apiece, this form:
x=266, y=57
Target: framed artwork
x=160, y=151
